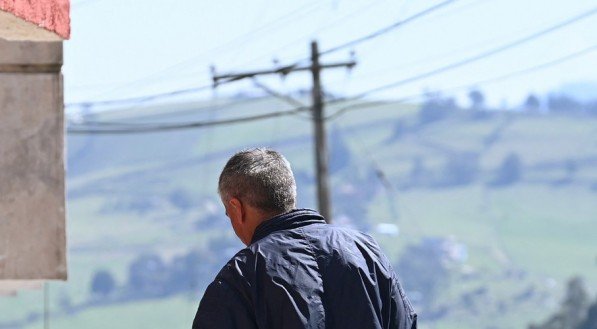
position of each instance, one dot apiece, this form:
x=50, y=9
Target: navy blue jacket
x=300, y=272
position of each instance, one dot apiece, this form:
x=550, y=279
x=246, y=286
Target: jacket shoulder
x=237, y=266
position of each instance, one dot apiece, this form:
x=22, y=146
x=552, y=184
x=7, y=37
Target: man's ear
x=236, y=210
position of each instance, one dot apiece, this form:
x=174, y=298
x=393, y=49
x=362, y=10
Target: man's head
x=256, y=185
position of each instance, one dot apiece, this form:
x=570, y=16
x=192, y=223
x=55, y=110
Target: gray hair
x=262, y=178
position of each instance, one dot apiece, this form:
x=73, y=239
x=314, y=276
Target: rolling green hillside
x=523, y=233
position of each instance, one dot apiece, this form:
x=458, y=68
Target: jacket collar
x=293, y=219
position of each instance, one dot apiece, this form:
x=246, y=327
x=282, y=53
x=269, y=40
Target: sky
x=125, y=48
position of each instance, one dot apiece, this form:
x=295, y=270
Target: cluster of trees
x=552, y=103
x=459, y=170
x=564, y=104
x=463, y=170
x=150, y=276
x=424, y=269
x=437, y=106
x=576, y=311
x=423, y=272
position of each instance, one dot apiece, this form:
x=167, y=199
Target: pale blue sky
x=126, y=48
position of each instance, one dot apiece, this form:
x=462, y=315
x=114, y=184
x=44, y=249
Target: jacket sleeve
x=403, y=315
x=222, y=306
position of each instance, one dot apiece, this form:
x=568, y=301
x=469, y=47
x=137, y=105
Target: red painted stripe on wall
x=53, y=15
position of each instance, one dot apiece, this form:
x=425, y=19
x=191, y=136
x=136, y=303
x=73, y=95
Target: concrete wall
x=32, y=188
x=53, y=15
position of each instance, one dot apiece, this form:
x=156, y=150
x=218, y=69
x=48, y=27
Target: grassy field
x=531, y=234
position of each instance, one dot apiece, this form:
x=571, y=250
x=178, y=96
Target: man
x=297, y=271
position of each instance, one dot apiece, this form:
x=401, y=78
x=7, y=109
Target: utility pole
x=320, y=140
x=321, y=150
x=46, y=305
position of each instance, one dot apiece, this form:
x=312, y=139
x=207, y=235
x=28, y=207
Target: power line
x=425, y=61
x=555, y=62
x=184, y=112
x=151, y=127
x=372, y=35
x=480, y=56
x=377, y=89
x=310, y=7
x=359, y=11
x=140, y=99
x=286, y=68
x=390, y=27
x=283, y=20
x=356, y=106
x=301, y=11
x=242, y=37
x=180, y=126
x=287, y=98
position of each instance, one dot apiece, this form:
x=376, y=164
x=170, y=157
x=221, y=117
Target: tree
x=186, y=271
x=477, y=100
x=459, y=170
x=509, y=172
x=573, y=309
x=576, y=302
x=532, y=103
x=563, y=104
x=181, y=199
x=147, y=275
x=102, y=283
x=591, y=318
x=418, y=175
x=436, y=107
x=423, y=269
